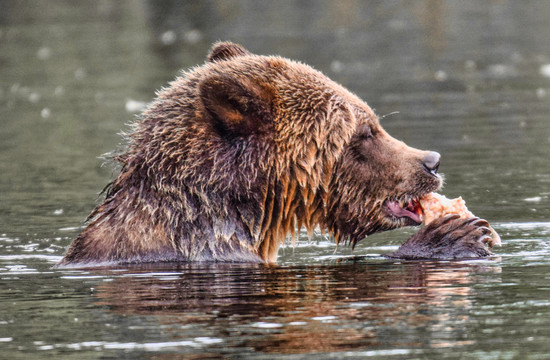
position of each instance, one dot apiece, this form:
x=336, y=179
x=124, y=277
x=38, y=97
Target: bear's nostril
x=431, y=161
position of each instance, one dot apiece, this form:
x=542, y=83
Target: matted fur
x=236, y=154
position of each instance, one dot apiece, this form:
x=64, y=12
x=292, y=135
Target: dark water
x=469, y=79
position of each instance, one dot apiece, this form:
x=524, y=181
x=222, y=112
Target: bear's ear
x=239, y=107
x=226, y=50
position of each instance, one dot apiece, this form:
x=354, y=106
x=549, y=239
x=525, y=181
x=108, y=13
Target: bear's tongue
x=412, y=210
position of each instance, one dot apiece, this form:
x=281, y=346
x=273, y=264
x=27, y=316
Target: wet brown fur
x=240, y=152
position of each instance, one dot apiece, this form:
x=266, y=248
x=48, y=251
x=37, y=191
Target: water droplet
x=80, y=74
x=336, y=66
x=500, y=70
x=516, y=57
x=545, y=70
x=44, y=53
x=470, y=65
x=168, y=37
x=45, y=113
x=192, y=36
x=59, y=91
x=34, y=97
x=133, y=106
x=441, y=75
x=15, y=88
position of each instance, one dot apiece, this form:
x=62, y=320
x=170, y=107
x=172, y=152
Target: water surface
x=468, y=79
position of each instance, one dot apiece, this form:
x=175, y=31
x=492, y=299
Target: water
x=470, y=80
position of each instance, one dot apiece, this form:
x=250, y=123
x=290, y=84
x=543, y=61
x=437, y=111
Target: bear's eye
x=364, y=132
x=362, y=146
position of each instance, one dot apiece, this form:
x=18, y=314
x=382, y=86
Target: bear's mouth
x=409, y=210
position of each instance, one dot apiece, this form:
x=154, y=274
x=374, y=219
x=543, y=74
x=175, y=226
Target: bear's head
x=240, y=152
x=282, y=146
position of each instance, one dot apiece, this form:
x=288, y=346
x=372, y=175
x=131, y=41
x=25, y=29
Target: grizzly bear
x=244, y=150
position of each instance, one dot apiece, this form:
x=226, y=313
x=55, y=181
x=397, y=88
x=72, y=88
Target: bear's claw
x=448, y=237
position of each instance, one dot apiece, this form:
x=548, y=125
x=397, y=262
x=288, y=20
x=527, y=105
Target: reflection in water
x=305, y=309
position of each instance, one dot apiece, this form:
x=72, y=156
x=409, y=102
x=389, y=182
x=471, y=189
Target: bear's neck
x=288, y=206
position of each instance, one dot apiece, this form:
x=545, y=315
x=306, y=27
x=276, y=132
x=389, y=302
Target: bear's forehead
x=287, y=78
x=310, y=78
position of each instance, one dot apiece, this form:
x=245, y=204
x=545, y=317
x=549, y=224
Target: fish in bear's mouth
x=408, y=209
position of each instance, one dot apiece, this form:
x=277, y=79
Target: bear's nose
x=431, y=162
